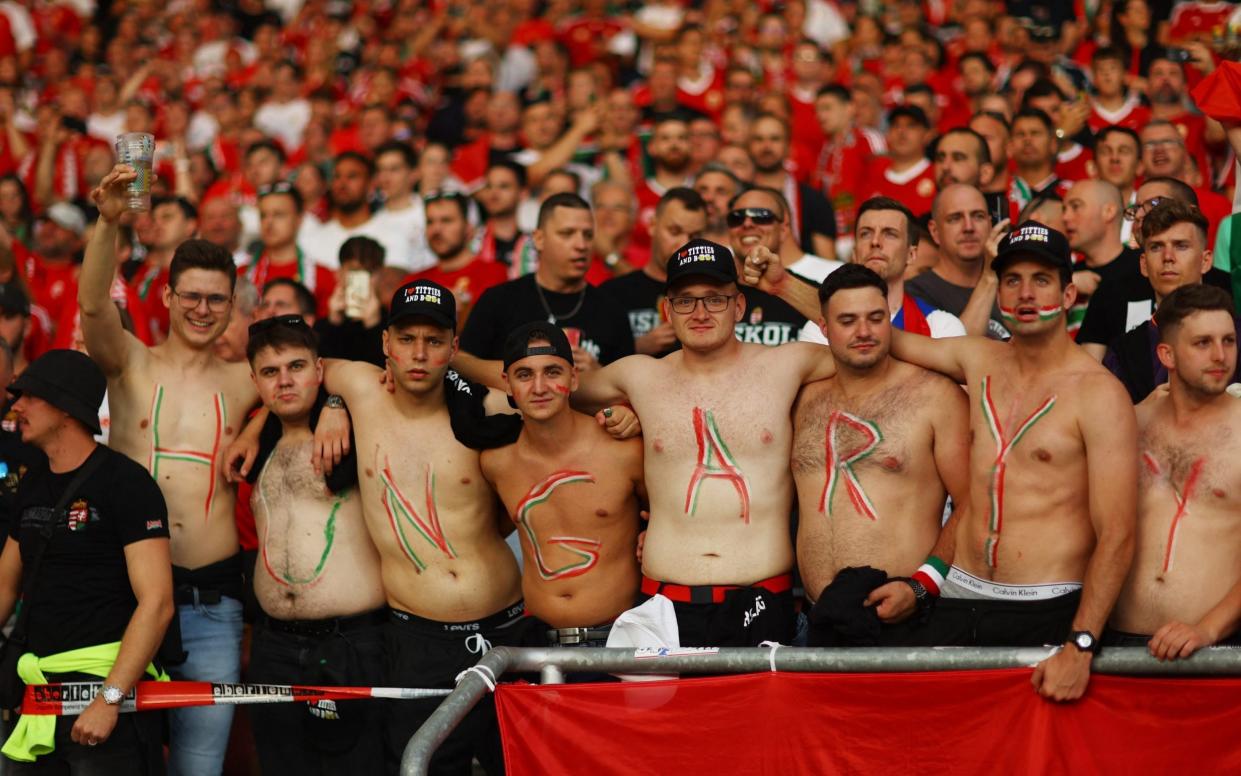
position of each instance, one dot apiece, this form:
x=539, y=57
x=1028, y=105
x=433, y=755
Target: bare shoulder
x=1152, y=408
x=979, y=355
x=495, y=461
x=354, y=380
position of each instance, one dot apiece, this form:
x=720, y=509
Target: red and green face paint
x=329, y=539
x=586, y=550
x=1049, y=313
x=840, y=464
x=714, y=460
x=998, y=469
x=204, y=457
x=402, y=513
x=1182, y=494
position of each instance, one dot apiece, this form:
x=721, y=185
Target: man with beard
x=668, y=149
x=1034, y=152
x=1185, y=585
x=717, y=185
x=504, y=187
x=458, y=270
x=350, y=214
x=811, y=220
x=1167, y=91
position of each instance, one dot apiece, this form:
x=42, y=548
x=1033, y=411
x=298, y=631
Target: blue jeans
x=198, y=737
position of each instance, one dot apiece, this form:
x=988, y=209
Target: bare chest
x=874, y=433
x=1198, y=467
x=1023, y=428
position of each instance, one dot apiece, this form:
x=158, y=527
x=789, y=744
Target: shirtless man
x=716, y=459
x=318, y=583
x=1185, y=583
x=174, y=408
x=573, y=492
x=875, y=450
x=1041, y=556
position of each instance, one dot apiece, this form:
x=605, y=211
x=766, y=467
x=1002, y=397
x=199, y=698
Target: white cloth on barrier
x=651, y=624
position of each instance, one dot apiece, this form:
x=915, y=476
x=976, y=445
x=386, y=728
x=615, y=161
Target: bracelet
x=931, y=574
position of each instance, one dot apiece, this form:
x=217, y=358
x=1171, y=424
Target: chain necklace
x=552, y=318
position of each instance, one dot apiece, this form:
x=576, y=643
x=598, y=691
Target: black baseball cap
x=701, y=258
x=912, y=112
x=517, y=344
x=424, y=298
x=1039, y=242
x=13, y=301
x=69, y=381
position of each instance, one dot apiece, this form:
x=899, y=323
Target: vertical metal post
x=551, y=674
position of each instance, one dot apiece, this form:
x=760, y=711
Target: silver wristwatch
x=334, y=402
x=112, y=695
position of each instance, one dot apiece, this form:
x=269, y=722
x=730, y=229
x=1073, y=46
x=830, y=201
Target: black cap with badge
x=517, y=344
x=423, y=298
x=67, y=380
x=701, y=258
x=1035, y=242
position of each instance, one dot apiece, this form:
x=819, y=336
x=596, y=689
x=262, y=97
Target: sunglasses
x=759, y=216
x=279, y=187
x=436, y=196
x=295, y=321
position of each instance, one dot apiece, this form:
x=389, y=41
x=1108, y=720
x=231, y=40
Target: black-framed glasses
x=715, y=303
x=295, y=321
x=190, y=300
x=761, y=216
x=1131, y=212
x=436, y=196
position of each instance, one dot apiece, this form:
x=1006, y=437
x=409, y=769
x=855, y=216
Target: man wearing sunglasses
x=174, y=409
x=716, y=463
x=318, y=579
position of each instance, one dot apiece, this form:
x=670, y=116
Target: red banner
x=961, y=722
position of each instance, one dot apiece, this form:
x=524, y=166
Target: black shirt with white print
x=82, y=596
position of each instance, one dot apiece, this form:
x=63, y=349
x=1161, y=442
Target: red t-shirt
x=148, y=286
x=53, y=285
x=1215, y=207
x=1074, y=164
x=321, y=282
x=1133, y=114
x=466, y=284
x=843, y=172
x=915, y=187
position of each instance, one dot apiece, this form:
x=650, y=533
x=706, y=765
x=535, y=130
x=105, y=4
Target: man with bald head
x=960, y=224
x=1093, y=211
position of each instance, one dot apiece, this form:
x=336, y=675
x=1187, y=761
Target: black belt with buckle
x=561, y=637
x=183, y=595
x=326, y=627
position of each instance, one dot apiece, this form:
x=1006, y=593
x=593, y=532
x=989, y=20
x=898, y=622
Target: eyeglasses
x=1131, y=212
x=715, y=303
x=1166, y=142
x=435, y=196
x=190, y=300
x=279, y=187
x=760, y=216
x=296, y=321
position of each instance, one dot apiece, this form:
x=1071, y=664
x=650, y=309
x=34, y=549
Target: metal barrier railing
x=551, y=663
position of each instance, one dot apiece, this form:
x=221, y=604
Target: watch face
x=113, y=695
x=1084, y=641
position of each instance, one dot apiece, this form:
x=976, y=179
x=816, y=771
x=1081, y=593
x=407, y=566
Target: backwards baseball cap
x=1038, y=242
x=424, y=298
x=67, y=216
x=701, y=258
x=69, y=381
x=13, y=300
x=517, y=344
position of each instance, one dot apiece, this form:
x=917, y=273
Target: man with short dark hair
x=401, y=220
x=906, y=173
x=459, y=270
x=1033, y=148
x=810, y=216
x=174, y=220
x=278, y=255
x=963, y=156
x=350, y=214
x=285, y=296
x=1113, y=103
x=557, y=292
x=1184, y=589
x=504, y=188
x=842, y=171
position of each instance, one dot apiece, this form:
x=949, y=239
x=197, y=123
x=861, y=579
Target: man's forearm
x=141, y=640
x=98, y=269
x=802, y=296
x=977, y=311
x=1224, y=617
x=489, y=372
x=1105, y=574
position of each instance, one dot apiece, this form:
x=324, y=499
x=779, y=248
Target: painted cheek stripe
x=1044, y=313
x=586, y=550
x=207, y=458
x=711, y=446
x=1003, y=448
x=1182, y=510
x=400, y=510
x=841, y=466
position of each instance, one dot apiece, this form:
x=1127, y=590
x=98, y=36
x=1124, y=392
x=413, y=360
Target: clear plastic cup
x=137, y=149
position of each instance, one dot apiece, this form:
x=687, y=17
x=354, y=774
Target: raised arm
x=764, y=270
x=601, y=388
x=1110, y=435
x=977, y=311
x=106, y=339
x=354, y=381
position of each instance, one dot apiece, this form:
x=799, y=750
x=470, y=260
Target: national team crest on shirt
x=926, y=187
x=79, y=515
x=756, y=316
x=9, y=423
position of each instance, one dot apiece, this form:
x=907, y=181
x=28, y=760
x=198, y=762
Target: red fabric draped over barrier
x=949, y=722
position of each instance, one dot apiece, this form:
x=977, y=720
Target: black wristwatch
x=1085, y=641
x=921, y=597
x=334, y=402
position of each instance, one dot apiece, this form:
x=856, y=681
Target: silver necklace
x=552, y=318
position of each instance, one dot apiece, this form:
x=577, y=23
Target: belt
x=185, y=595
x=557, y=637
x=711, y=594
x=328, y=626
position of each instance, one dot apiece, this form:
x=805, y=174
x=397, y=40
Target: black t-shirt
x=502, y=308
x=768, y=320
x=16, y=458
x=82, y=596
x=637, y=293
x=1125, y=298
x=816, y=216
x=951, y=298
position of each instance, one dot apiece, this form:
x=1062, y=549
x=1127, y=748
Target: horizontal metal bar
x=1212, y=661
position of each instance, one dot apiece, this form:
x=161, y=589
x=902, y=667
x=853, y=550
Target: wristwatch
x=921, y=596
x=334, y=402
x=112, y=695
x=1085, y=641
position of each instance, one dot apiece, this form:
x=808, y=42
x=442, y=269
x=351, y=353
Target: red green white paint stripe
x=714, y=460
x=1003, y=448
x=1048, y=313
x=840, y=466
x=329, y=538
x=207, y=458
x=585, y=549
x=1182, y=509
x=401, y=511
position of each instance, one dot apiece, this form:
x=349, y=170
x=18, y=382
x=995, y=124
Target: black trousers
x=134, y=748
x=967, y=622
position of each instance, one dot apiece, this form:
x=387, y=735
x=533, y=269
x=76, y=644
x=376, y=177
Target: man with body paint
x=572, y=490
x=175, y=407
x=1042, y=552
x=1185, y=583
x=716, y=459
x=318, y=580
x=876, y=449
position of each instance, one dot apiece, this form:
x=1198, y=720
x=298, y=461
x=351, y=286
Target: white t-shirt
x=406, y=228
x=284, y=120
x=322, y=241
x=814, y=268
